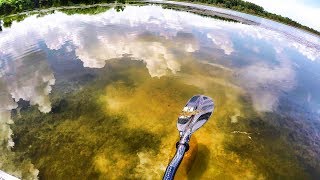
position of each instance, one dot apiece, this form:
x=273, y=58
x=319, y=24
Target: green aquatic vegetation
x=7, y=21
x=15, y=6
x=196, y=11
x=121, y=124
x=265, y=145
x=86, y=10
x=259, y=137
x=64, y=143
x=79, y=138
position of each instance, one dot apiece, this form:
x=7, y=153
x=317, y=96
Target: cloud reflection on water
x=266, y=83
x=158, y=37
x=28, y=78
x=149, y=33
x=222, y=41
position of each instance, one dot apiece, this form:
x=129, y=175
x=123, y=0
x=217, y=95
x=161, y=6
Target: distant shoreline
x=275, y=16
x=250, y=9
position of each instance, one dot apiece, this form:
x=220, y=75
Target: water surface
x=97, y=96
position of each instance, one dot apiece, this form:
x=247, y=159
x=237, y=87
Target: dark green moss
x=65, y=142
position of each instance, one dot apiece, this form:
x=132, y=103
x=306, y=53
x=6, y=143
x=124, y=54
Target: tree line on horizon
x=8, y=20
x=251, y=8
x=8, y=7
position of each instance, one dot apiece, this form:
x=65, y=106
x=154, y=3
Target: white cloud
x=297, y=10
